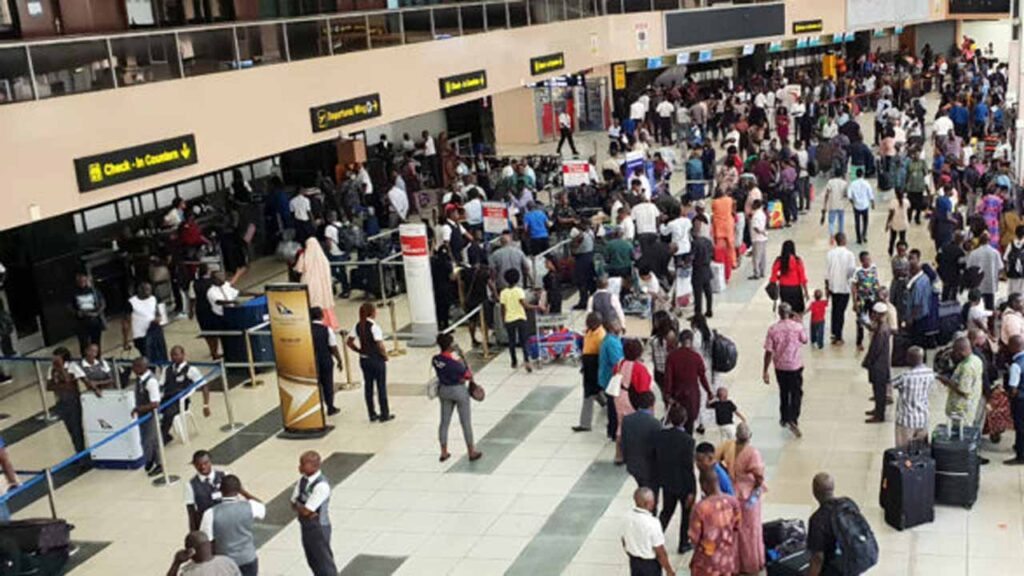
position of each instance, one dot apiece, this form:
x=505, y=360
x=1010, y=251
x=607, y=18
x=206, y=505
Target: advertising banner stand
x=419, y=279
x=302, y=408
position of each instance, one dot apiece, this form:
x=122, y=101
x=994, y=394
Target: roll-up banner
x=292, y=334
x=419, y=279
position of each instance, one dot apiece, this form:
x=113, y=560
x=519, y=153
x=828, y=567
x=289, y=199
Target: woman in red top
x=788, y=271
x=634, y=376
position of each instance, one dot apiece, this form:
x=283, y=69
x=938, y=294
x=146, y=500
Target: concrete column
x=515, y=118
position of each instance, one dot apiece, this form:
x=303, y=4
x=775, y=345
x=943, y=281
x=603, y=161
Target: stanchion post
x=348, y=363
x=249, y=357
x=46, y=417
x=164, y=479
x=231, y=425
x=50, y=493
x=483, y=328
x=396, y=350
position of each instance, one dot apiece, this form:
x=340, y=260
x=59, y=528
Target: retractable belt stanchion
x=50, y=493
x=349, y=384
x=231, y=425
x=485, y=338
x=396, y=349
x=164, y=479
x=46, y=416
x=253, y=381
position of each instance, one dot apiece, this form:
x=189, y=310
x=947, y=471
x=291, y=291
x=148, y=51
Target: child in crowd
x=513, y=310
x=818, y=308
x=725, y=409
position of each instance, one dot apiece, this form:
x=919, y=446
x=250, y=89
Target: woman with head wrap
x=315, y=272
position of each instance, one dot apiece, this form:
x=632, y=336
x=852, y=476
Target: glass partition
x=666, y=4
x=472, y=19
x=539, y=12
x=307, y=39
x=497, y=16
x=145, y=59
x=518, y=15
x=260, y=45
x=612, y=6
x=446, y=23
x=207, y=51
x=385, y=30
x=556, y=10
x=15, y=80
x=71, y=68
x=349, y=34
x=417, y=26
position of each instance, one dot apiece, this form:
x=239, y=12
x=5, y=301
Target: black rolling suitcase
x=900, y=344
x=907, y=493
x=36, y=546
x=950, y=321
x=957, y=464
x=796, y=564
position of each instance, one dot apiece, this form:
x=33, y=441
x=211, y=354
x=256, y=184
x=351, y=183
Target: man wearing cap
x=877, y=360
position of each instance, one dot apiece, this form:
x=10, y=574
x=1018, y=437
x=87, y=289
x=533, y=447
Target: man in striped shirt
x=912, y=407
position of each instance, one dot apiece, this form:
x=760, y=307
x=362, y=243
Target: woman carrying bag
x=789, y=274
x=455, y=381
x=630, y=373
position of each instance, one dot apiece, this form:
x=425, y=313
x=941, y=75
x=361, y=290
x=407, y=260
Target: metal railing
x=39, y=69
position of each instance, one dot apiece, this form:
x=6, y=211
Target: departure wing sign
x=345, y=112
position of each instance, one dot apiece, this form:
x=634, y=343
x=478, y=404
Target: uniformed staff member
x=202, y=491
x=310, y=500
x=229, y=525
x=180, y=375
x=98, y=373
x=147, y=399
x=325, y=347
x=63, y=381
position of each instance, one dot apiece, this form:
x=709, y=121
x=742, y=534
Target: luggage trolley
x=554, y=338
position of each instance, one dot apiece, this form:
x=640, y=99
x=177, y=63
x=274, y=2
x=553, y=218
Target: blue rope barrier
x=124, y=430
x=39, y=359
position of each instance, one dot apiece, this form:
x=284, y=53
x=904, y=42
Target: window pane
x=637, y=5
x=417, y=26
x=348, y=34
x=306, y=40
x=496, y=18
x=556, y=9
x=145, y=59
x=385, y=30
x=446, y=22
x=666, y=4
x=100, y=216
x=71, y=68
x=613, y=6
x=259, y=45
x=15, y=82
x=539, y=13
x=207, y=52
x=472, y=19
x=517, y=14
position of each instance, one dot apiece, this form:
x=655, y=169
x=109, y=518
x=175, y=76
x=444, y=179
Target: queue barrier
x=46, y=475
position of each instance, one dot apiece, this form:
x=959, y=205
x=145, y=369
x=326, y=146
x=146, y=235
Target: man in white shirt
x=758, y=239
x=840, y=264
x=565, y=130
x=645, y=218
x=335, y=252
x=220, y=294
x=229, y=525
x=147, y=399
x=310, y=501
x=664, y=111
x=474, y=207
x=679, y=229
x=644, y=539
x=302, y=213
x=941, y=129
x=862, y=196
x=431, y=159
x=399, y=202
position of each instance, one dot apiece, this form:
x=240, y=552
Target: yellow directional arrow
x=185, y=150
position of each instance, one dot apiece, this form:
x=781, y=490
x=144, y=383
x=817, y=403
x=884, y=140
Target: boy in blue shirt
x=537, y=224
x=705, y=457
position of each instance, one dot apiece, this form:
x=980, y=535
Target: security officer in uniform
x=202, y=491
x=325, y=347
x=310, y=501
x=178, y=376
x=147, y=399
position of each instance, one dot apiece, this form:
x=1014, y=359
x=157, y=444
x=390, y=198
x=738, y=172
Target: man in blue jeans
x=862, y=196
x=608, y=358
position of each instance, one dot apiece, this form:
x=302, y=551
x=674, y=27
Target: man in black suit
x=702, y=252
x=673, y=473
x=638, y=432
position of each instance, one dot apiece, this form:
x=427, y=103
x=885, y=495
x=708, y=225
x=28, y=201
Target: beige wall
x=515, y=118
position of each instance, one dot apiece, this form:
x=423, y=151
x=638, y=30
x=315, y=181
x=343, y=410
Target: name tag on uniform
x=217, y=496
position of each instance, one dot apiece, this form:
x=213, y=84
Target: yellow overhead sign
x=345, y=112
x=548, y=63
x=110, y=168
x=463, y=83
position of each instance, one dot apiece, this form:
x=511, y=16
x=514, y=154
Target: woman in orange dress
x=723, y=224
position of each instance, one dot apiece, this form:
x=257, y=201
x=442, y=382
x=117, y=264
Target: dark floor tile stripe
x=83, y=551
x=512, y=429
x=337, y=467
x=24, y=428
x=370, y=565
x=564, y=532
x=250, y=436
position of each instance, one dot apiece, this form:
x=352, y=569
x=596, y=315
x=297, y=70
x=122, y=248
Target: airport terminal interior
x=525, y=287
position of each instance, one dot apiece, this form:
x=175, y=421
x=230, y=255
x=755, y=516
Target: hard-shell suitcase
x=957, y=464
x=907, y=492
x=34, y=546
x=796, y=564
x=950, y=321
x=900, y=344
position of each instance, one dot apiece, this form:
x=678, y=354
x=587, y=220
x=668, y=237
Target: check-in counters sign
x=548, y=63
x=345, y=112
x=463, y=84
x=110, y=168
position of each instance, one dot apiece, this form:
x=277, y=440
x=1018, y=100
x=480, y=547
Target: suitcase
x=796, y=564
x=999, y=418
x=34, y=546
x=907, y=491
x=776, y=532
x=900, y=344
x=957, y=464
x=950, y=321
x=717, y=277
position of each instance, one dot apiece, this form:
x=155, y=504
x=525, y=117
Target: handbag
x=476, y=391
x=772, y=289
x=432, y=388
x=615, y=383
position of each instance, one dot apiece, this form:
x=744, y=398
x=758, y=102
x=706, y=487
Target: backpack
x=723, y=353
x=856, y=547
x=1015, y=262
x=971, y=278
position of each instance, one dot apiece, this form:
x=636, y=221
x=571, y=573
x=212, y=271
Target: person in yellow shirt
x=513, y=312
x=592, y=339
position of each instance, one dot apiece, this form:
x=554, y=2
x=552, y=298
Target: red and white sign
x=495, y=217
x=418, y=277
x=575, y=173
x=414, y=246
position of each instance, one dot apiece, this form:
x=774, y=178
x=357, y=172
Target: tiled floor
x=543, y=500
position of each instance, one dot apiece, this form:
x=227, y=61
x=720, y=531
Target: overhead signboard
x=748, y=49
x=979, y=6
x=654, y=63
x=460, y=84
x=345, y=112
x=682, y=58
x=801, y=43
x=127, y=164
x=685, y=28
x=619, y=76
x=705, y=56
x=775, y=46
x=808, y=26
x=548, y=63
